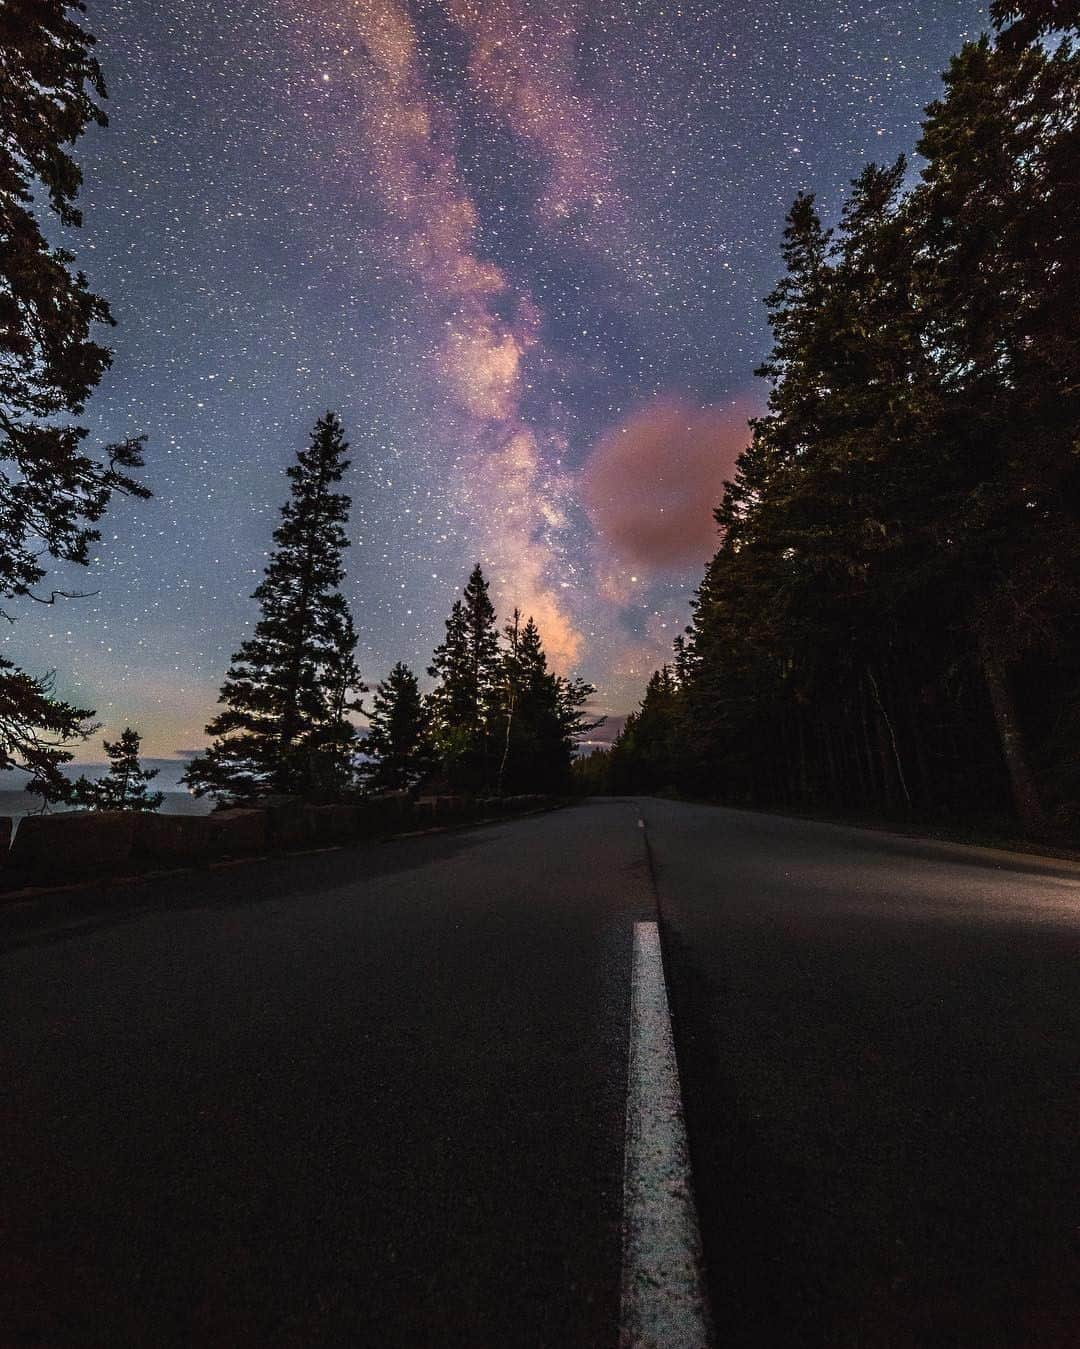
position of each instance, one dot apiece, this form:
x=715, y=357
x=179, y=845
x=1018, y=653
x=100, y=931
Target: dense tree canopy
x=890, y=619
x=501, y=720
x=1025, y=20
x=53, y=491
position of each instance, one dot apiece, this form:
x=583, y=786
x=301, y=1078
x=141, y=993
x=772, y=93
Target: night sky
x=521, y=248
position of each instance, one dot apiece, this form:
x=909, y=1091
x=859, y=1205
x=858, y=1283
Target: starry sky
x=520, y=248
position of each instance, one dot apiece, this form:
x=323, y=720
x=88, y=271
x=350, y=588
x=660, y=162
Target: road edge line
x=663, y=1302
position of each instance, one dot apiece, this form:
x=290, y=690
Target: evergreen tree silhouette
x=541, y=714
x=290, y=688
x=398, y=739
x=1023, y=21
x=124, y=786
x=52, y=490
x=335, y=746
x=466, y=666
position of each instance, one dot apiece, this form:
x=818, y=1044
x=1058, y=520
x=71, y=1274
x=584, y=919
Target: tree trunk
x=835, y=794
x=918, y=740
x=511, y=700
x=1022, y=780
x=892, y=739
x=804, y=796
x=877, y=789
x=853, y=759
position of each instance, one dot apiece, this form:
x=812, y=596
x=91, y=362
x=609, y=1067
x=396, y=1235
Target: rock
x=175, y=840
x=237, y=832
x=290, y=821
x=381, y=815
x=74, y=843
x=334, y=824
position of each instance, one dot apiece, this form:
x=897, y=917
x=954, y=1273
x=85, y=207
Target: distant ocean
x=16, y=802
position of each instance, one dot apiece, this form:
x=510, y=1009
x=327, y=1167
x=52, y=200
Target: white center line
x=664, y=1304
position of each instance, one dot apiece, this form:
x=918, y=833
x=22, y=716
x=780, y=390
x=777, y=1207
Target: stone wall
x=78, y=845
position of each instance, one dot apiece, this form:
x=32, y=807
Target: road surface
x=377, y=1096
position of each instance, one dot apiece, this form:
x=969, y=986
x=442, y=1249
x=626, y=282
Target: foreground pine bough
x=72, y=846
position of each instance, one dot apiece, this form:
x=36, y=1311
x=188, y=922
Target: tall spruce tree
x=335, y=747
x=482, y=641
x=398, y=739
x=645, y=757
x=542, y=715
x=466, y=666
x=290, y=688
x=576, y=723
x=52, y=490
x=528, y=710
x=124, y=786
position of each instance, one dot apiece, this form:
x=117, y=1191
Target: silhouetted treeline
x=501, y=721
x=890, y=622
x=496, y=722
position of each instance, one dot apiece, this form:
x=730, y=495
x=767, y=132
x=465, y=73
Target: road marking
x=664, y=1305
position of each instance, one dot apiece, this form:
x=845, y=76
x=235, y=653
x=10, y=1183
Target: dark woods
x=890, y=623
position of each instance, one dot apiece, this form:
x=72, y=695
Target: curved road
x=376, y=1096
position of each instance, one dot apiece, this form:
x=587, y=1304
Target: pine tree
x=528, y=709
x=289, y=690
x=36, y=728
x=482, y=644
x=542, y=715
x=682, y=660
x=454, y=698
x=398, y=739
x=645, y=757
x=124, y=786
x=512, y=686
x=572, y=696
x=335, y=746
x=52, y=491
x=466, y=666
x=1023, y=21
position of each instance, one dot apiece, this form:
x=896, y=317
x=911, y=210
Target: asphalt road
x=376, y=1096
x=879, y=1045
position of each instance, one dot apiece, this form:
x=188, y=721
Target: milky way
x=520, y=248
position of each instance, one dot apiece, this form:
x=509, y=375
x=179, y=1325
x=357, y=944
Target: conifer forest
x=890, y=622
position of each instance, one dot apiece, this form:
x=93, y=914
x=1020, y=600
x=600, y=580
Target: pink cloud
x=651, y=484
